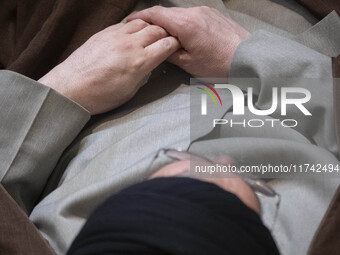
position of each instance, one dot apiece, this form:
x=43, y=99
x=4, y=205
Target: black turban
x=174, y=215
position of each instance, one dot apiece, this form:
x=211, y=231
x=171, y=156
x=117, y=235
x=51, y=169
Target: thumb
x=161, y=50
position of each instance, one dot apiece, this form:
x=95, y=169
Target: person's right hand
x=108, y=69
x=208, y=38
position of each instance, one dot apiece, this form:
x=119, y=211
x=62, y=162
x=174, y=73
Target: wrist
x=60, y=83
x=52, y=80
x=233, y=47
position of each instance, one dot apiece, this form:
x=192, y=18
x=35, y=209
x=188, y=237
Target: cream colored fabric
x=36, y=125
x=268, y=11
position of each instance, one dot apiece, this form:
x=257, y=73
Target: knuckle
x=114, y=27
x=151, y=11
x=183, y=59
x=193, y=18
x=155, y=8
x=125, y=46
x=198, y=10
x=140, y=23
x=166, y=43
x=138, y=63
x=194, y=23
x=185, y=21
x=198, y=17
x=204, y=8
x=158, y=31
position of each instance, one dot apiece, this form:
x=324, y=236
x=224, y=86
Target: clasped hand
x=107, y=70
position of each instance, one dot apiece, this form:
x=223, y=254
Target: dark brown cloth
x=18, y=234
x=326, y=238
x=36, y=35
x=320, y=8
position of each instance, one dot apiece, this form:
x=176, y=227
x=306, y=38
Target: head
x=233, y=185
x=173, y=214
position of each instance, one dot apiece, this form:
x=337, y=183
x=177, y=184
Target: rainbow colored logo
x=210, y=94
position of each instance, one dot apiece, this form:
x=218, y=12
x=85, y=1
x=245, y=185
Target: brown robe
x=36, y=35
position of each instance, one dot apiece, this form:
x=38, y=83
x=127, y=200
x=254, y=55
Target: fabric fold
x=37, y=125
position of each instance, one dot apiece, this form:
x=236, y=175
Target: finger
x=135, y=26
x=150, y=34
x=168, y=18
x=161, y=50
x=180, y=58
